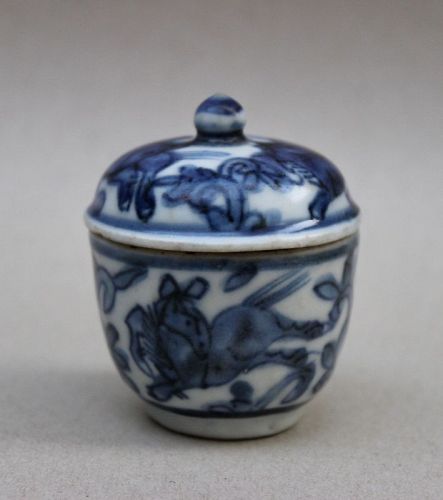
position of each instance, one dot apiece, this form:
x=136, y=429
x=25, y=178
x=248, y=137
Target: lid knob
x=219, y=115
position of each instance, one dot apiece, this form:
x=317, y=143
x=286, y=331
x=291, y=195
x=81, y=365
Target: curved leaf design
x=328, y=289
x=218, y=195
x=119, y=356
x=107, y=285
x=178, y=349
x=241, y=277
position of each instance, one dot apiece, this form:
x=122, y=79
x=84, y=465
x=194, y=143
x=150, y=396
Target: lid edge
x=217, y=243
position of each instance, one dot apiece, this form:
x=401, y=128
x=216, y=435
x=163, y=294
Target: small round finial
x=219, y=115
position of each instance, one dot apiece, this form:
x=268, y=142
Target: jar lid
x=222, y=191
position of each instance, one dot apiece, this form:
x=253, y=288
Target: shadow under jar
x=224, y=267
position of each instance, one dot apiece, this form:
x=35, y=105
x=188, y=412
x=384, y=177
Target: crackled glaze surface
x=224, y=336
x=220, y=188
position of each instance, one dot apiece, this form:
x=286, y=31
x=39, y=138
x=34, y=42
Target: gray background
x=83, y=81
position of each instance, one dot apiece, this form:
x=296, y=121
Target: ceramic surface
x=228, y=342
x=222, y=191
x=228, y=345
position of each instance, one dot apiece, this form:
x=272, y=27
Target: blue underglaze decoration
x=187, y=350
x=220, y=196
x=178, y=348
x=220, y=104
x=216, y=175
x=99, y=201
x=119, y=356
x=337, y=293
x=240, y=277
x=219, y=115
x=311, y=168
x=107, y=285
x=139, y=257
x=227, y=409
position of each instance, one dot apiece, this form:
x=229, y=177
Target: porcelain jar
x=224, y=267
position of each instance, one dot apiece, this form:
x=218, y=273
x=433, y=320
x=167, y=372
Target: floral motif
x=219, y=195
x=119, y=356
x=310, y=167
x=173, y=343
x=107, y=285
x=240, y=277
x=179, y=349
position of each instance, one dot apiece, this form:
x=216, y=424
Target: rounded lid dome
x=222, y=191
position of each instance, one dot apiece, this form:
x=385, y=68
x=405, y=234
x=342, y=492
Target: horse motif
x=219, y=198
x=173, y=337
x=136, y=176
x=219, y=195
x=173, y=343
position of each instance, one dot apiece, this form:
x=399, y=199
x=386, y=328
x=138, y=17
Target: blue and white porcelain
x=224, y=266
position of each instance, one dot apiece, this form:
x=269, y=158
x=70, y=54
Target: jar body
x=230, y=345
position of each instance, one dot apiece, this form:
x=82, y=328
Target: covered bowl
x=224, y=267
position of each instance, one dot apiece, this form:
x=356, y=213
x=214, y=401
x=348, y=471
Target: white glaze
x=218, y=243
